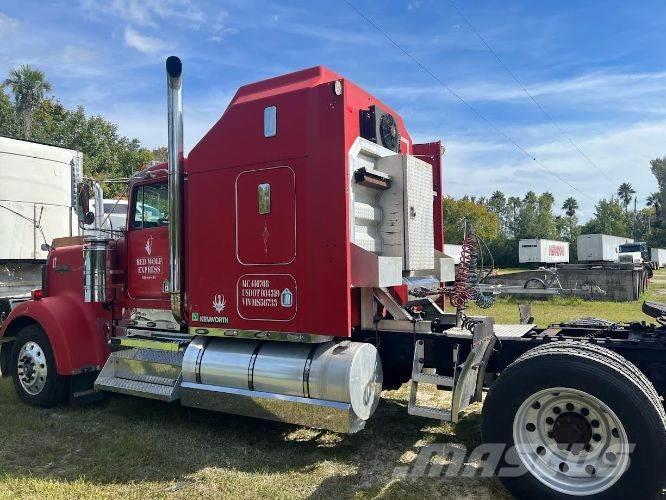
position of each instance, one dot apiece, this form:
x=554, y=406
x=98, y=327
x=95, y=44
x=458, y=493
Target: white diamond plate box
x=407, y=225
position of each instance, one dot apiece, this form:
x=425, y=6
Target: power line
x=465, y=103
x=527, y=92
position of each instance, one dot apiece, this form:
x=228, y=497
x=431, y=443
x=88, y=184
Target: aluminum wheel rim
x=543, y=431
x=32, y=368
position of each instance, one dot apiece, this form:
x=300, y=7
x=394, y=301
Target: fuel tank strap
x=306, y=371
x=197, y=365
x=250, y=367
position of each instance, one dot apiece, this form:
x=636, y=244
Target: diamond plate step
x=427, y=378
x=427, y=412
x=137, y=388
x=149, y=373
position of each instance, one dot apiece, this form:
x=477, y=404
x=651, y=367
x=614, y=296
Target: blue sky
x=596, y=67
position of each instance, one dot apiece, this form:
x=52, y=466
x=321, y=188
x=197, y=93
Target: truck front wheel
x=34, y=370
x=576, y=421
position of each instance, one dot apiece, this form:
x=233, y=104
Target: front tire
x=569, y=416
x=34, y=369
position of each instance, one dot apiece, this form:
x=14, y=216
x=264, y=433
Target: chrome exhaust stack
x=174, y=69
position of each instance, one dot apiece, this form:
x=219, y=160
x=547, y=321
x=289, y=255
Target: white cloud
x=220, y=26
x=586, y=89
x=477, y=167
x=147, y=13
x=77, y=54
x=8, y=25
x=143, y=43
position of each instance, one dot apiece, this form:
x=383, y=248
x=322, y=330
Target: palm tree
x=654, y=200
x=29, y=87
x=625, y=192
x=570, y=205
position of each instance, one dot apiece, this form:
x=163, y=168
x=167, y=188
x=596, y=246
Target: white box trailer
x=599, y=247
x=37, y=204
x=453, y=251
x=658, y=256
x=539, y=251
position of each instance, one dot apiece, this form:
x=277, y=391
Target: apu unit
x=380, y=127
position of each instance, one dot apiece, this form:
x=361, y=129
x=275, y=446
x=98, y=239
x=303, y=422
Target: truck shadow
x=124, y=439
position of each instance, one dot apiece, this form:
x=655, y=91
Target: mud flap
x=469, y=383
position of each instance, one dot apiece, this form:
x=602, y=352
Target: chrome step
x=149, y=373
x=419, y=375
x=434, y=379
x=428, y=412
x=137, y=388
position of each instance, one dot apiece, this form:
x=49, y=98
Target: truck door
x=148, y=241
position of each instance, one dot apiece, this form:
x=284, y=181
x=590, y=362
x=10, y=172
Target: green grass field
x=128, y=448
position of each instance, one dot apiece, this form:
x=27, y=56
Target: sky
x=595, y=72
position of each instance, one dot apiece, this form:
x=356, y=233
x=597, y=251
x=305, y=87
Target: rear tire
x=535, y=283
x=556, y=389
x=33, y=369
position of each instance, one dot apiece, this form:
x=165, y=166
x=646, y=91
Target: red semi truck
x=279, y=272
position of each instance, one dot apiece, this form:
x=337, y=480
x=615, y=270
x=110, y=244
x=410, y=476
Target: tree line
x=29, y=112
x=504, y=220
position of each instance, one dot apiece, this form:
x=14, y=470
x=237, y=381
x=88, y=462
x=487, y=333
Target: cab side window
x=151, y=206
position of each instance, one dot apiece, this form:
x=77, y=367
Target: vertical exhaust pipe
x=174, y=69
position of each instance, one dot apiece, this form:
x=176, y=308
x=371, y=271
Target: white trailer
x=538, y=251
x=658, y=256
x=453, y=251
x=599, y=247
x=37, y=204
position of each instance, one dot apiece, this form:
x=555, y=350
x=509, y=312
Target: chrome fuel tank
x=345, y=372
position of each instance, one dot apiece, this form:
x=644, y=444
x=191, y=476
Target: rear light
x=37, y=294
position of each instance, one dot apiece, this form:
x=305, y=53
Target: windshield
x=631, y=248
x=115, y=208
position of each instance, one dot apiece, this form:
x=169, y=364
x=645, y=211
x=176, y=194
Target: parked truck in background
x=600, y=247
x=290, y=269
x=538, y=251
x=636, y=252
x=38, y=203
x=658, y=257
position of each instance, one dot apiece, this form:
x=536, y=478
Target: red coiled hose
x=462, y=292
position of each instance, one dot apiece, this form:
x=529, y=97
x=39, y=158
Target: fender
x=75, y=330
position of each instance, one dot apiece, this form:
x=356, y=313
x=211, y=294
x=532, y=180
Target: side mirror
x=84, y=213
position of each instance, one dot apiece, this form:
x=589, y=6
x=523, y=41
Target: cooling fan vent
x=388, y=131
x=380, y=127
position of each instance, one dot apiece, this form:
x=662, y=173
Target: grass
x=127, y=447
x=130, y=448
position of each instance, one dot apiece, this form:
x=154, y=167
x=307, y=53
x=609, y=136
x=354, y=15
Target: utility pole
x=634, y=228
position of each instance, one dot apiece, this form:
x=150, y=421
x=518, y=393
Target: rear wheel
x=34, y=370
x=535, y=283
x=581, y=421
